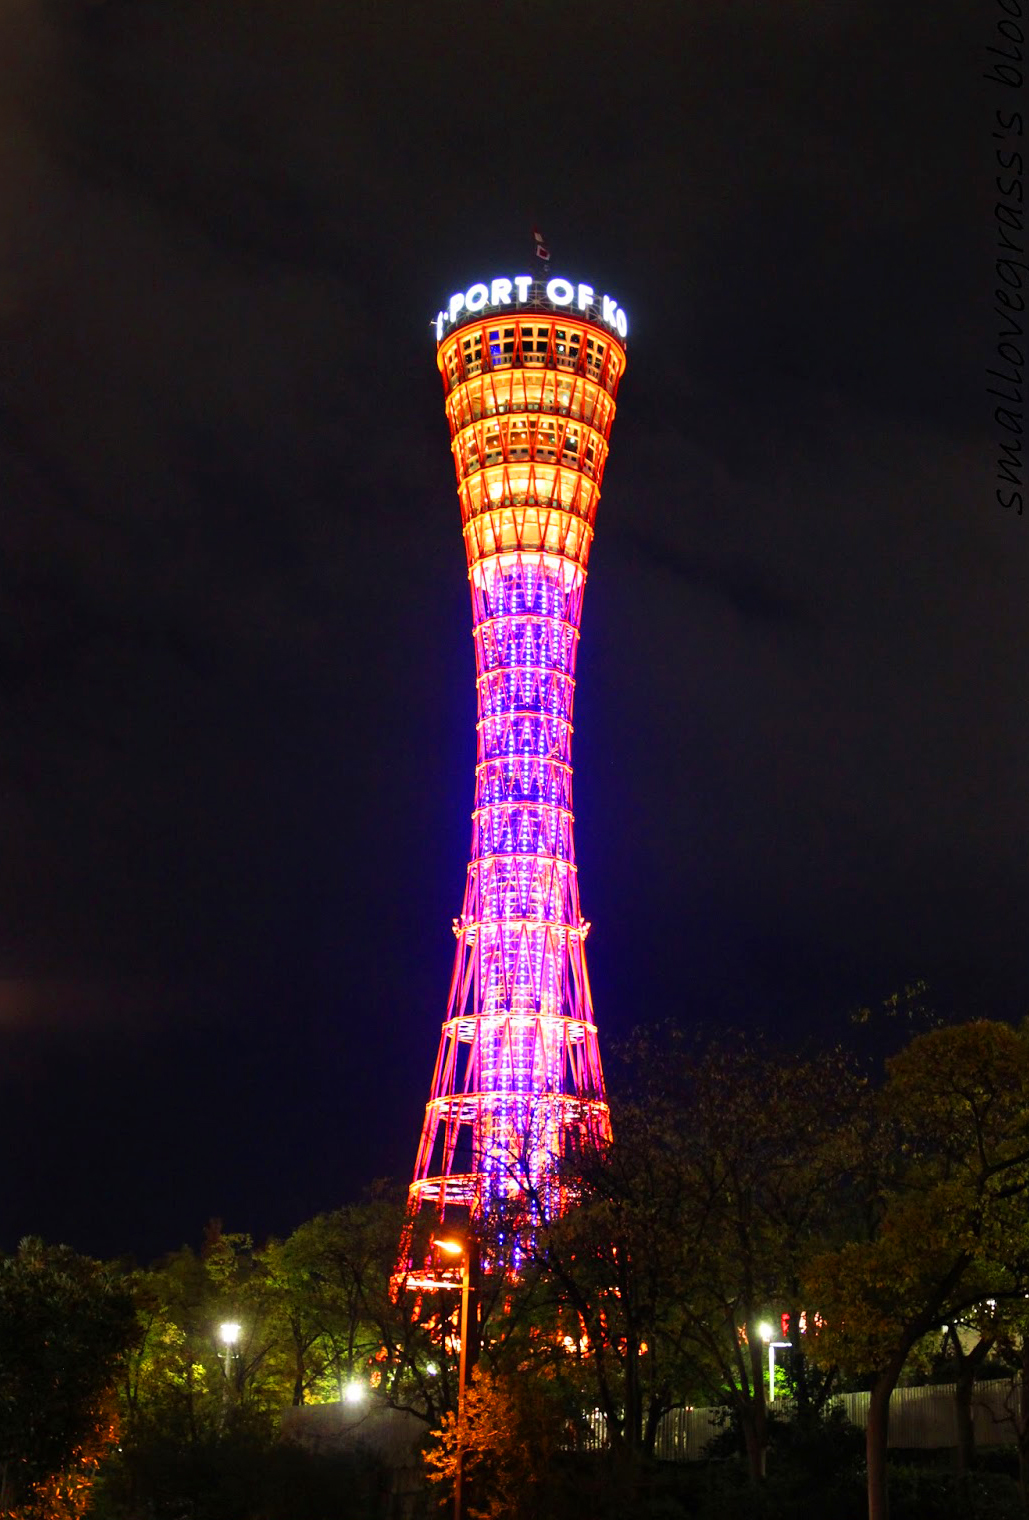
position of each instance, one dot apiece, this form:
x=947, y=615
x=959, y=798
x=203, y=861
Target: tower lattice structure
x=530, y=390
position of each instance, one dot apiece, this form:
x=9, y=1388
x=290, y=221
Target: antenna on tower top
x=542, y=251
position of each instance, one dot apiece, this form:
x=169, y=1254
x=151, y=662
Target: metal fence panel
x=919, y=1418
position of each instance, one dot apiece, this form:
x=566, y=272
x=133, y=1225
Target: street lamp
x=766, y=1332
x=773, y=1347
x=229, y=1332
x=458, y=1248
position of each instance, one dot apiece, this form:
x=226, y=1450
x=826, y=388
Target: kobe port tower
x=530, y=370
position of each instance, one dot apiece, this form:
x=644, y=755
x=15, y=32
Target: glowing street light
x=766, y=1332
x=459, y=1248
x=229, y=1332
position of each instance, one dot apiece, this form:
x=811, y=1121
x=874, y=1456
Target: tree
x=968, y=1342
x=331, y=1278
x=945, y=1198
x=507, y=1443
x=192, y=1409
x=514, y=1319
x=619, y=1263
x=1010, y=1325
x=695, y=1226
x=66, y=1323
x=239, y=1287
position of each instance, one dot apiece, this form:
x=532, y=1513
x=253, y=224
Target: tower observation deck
x=530, y=375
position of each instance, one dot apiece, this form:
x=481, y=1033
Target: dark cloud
x=236, y=688
x=739, y=583
x=46, y=1005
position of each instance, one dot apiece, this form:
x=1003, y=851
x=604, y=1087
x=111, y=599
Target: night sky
x=236, y=674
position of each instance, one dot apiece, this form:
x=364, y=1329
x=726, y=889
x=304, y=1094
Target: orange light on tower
x=530, y=375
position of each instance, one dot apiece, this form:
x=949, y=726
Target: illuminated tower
x=530, y=374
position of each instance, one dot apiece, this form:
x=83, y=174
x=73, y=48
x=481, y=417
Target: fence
x=919, y=1418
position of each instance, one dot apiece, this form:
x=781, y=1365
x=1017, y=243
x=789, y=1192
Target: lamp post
x=459, y=1248
x=767, y=1332
x=228, y=1333
x=773, y=1347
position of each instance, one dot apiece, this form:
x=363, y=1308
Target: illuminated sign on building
x=523, y=291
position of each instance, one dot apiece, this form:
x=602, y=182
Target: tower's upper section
x=530, y=370
x=496, y=325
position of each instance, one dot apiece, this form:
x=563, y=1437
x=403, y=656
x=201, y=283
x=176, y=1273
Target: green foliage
x=724, y=1175
x=945, y=1183
x=829, y=1444
x=200, y=1419
x=239, y=1474
x=916, y=1493
x=509, y=1439
x=325, y=1277
x=743, y=1183
x=945, y=1198
x=809, y=1448
x=722, y=1491
x=922, y=1493
x=65, y=1325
